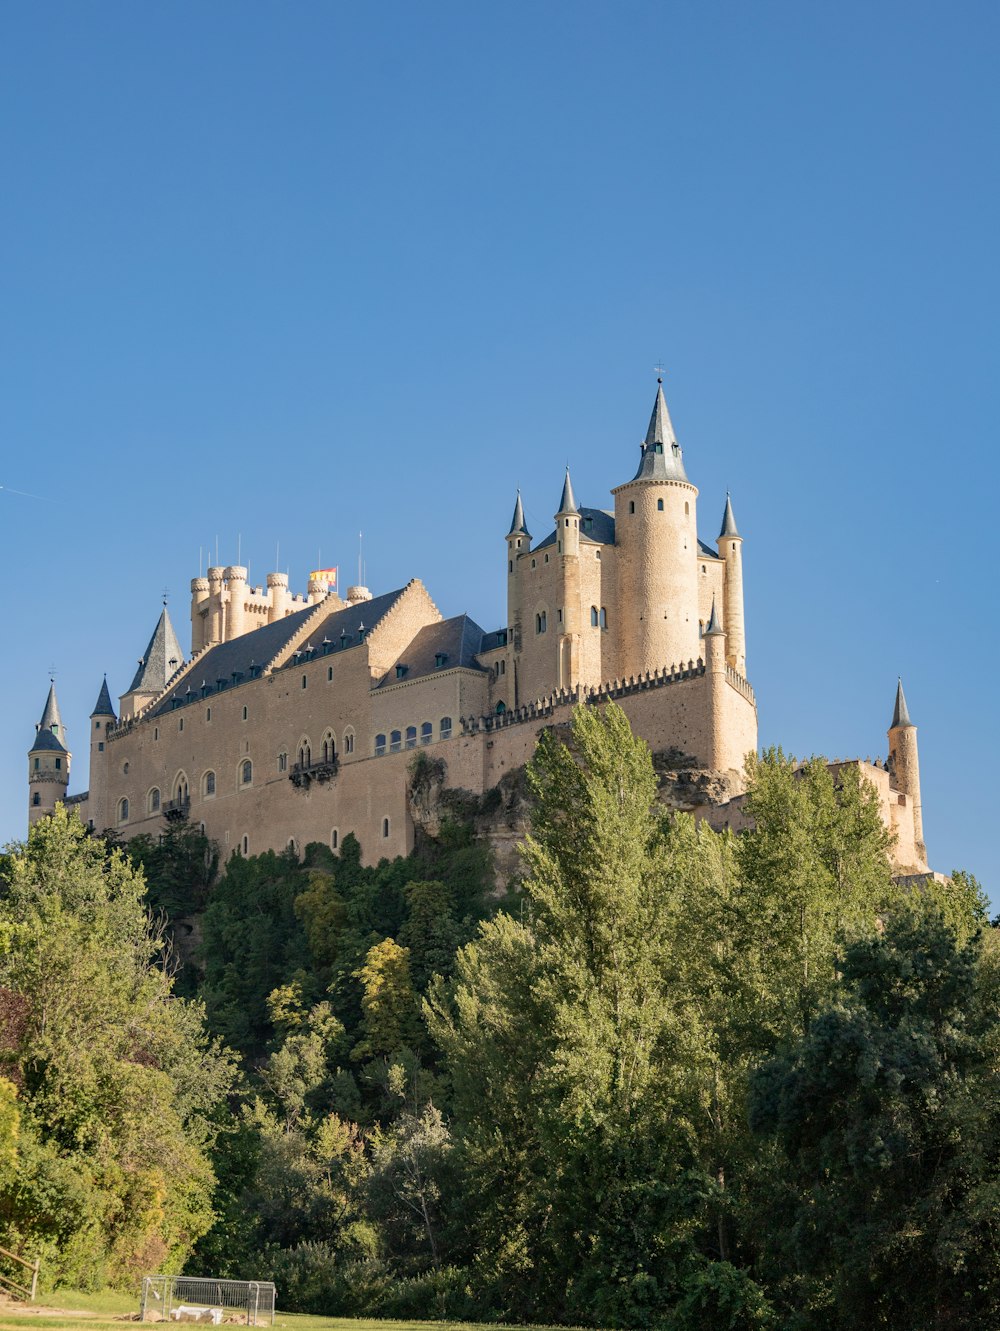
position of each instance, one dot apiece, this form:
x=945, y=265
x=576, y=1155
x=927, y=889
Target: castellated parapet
x=298, y=718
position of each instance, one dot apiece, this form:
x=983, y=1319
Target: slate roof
x=154, y=665
x=50, y=712
x=596, y=527
x=704, y=549
x=567, y=502
x=661, y=454
x=458, y=640
x=517, y=521
x=900, y=714
x=104, y=705
x=728, y=521
x=257, y=648
x=46, y=740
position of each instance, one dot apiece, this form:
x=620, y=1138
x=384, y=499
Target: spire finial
x=900, y=713
x=517, y=527
x=567, y=503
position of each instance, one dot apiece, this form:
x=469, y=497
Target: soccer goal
x=205, y=1300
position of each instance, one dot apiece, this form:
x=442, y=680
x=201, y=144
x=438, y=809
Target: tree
x=388, y=1003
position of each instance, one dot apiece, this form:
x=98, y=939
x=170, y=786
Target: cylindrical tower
x=317, y=590
x=567, y=521
x=904, y=766
x=730, y=545
x=657, y=547
x=277, y=594
x=199, y=618
x=215, y=622
x=236, y=577
x=48, y=762
x=102, y=719
x=715, y=670
x=518, y=543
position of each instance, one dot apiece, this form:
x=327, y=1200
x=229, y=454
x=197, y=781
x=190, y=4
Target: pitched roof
x=457, y=640
x=728, y=521
x=567, y=503
x=714, y=624
x=104, y=705
x=252, y=651
x=46, y=740
x=597, y=527
x=661, y=454
x=900, y=713
x=154, y=664
x=517, y=521
x=50, y=712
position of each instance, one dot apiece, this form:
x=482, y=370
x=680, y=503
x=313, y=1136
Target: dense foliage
x=673, y=1078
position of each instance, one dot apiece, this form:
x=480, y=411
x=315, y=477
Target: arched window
x=348, y=741
x=246, y=845
x=540, y=622
x=305, y=752
x=208, y=784
x=445, y=730
x=246, y=771
x=659, y=506
x=501, y=707
x=329, y=747
x=36, y=799
x=181, y=790
x=334, y=839
x=395, y=742
x=282, y=762
x=411, y=737
x=245, y=715
x=604, y=618
x=594, y=621
x=426, y=732
x=379, y=745
x=385, y=827
x=153, y=800
x=123, y=811
x=631, y=505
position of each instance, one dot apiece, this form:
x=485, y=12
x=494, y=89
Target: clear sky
x=287, y=272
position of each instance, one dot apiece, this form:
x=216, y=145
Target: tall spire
x=900, y=715
x=160, y=660
x=517, y=527
x=51, y=720
x=728, y=521
x=714, y=620
x=661, y=453
x=567, y=504
x=103, y=706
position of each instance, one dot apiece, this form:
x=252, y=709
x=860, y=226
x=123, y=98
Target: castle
x=295, y=718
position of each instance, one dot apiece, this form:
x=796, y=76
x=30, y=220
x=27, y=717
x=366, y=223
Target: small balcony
x=302, y=775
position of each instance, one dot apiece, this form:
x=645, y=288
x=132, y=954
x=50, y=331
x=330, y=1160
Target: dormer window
x=440, y=658
x=401, y=671
x=657, y=448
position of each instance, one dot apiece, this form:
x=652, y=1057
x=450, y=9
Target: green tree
x=389, y=1008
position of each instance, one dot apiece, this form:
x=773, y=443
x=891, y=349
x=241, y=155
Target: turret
x=518, y=543
x=236, y=615
x=48, y=762
x=715, y=670
x=730, y=545
x=904, y=765
x=214, y=632
x=567, y=521
x=317, y=590
x=199, y=613
x=657, y=544
x=568, y=597
x=277, y=596
x=102, y=719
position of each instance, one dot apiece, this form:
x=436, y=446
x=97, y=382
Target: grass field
x=66, y=1310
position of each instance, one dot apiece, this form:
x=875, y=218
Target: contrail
x=25, y=495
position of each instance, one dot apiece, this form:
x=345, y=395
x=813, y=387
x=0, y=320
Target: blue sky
x=284, y=273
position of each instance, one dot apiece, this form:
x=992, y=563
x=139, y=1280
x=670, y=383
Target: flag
x=327, y=575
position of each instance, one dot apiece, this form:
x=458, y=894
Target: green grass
x=104, y=1312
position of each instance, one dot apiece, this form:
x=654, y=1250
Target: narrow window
x=541, y=622
x=559, y=615
x=123, y=811
x=154, y=800
x=379, y=745
x=597, y=554
x=395, y=742
x=59, y=765
x=348, y=741
x=604, y=618
x=385, y=827
x=503, y=667
x=124, y=768
x=659, y=505
x=426, y=732
x=594, y=621
x=411, y=737
x=329, y=673
x=245, y=715
x=304, y=681
x=246, y=772
x=334, y=839
x=560, y=549
x=631, y=505
x=37, y=761
x=208, y=713
x=180, y=723
x=501, y=707
x=100, y=747
x=445, y=730
x=685, y=508
x=510, y=566
x=209, y=784
x=156, y=732
x=36, y=799
x=246, y=845
x=282, y=762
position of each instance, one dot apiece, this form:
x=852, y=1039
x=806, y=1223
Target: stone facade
x=297, y=719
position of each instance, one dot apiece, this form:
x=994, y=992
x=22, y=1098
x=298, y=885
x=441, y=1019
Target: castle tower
x=715, y=670
x=161, y=659
x=48, y=762
x=236, y=616
x=730, y=545
x=277, y=593
x=102, y=718
x=657, y=545
x=904, y=765
x=518, y=543
x=199, y=613
x=569, y=606
x=215, y=621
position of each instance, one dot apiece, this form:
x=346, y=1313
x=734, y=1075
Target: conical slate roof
x=51, y=720
x=154, y=666
x=714, y=621
x=46, y=740
x=567, y=504
x=900, y=714
x=728, y=521
x=661, y=454
x=517, y=527
x=104, y=705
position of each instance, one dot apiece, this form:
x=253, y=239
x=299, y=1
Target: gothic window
x=246, y=772
x=282, y=762
x=348, y=741
x=208, y=784
x=604, y=618
x=594, y=621
x=123, y=811
x=153, y=800
x=329, y=747
x=501, y=707
x=540, y=622
x=379, y=745
x=395, y=742
x=445, y=728
x=334, y=839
